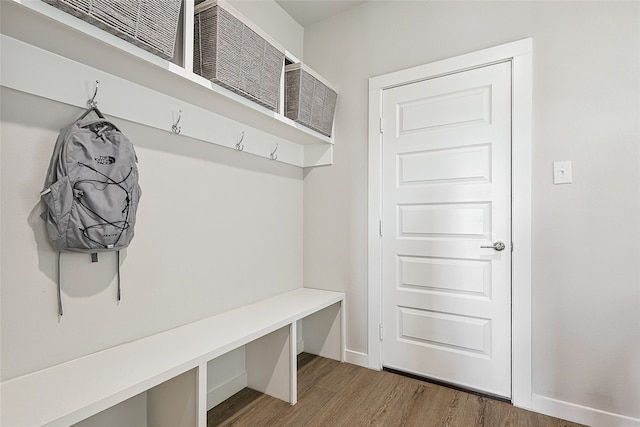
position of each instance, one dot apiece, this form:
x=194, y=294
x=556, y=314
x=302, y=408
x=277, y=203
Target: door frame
x=519, y=53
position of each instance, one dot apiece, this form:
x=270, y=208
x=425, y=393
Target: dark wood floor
x=340, y=394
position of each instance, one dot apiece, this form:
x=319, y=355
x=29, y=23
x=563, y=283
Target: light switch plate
x=562, y=172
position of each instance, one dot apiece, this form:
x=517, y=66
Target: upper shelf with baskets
x=246, y=100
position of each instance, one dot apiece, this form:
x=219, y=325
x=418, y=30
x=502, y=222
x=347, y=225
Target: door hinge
x=381, y=125
x=380, y=227
x=511, y=246
x=380, y=332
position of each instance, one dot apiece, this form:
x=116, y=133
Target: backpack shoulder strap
x=60, y=312
x=118, y=261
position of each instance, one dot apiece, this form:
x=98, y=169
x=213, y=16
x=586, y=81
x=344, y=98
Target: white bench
x=172, y=365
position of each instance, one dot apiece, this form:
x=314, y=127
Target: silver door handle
x=498, y=246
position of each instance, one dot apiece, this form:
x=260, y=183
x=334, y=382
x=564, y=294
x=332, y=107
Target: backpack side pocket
x=59, y=199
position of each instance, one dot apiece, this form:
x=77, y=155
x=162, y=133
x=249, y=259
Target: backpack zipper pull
x=102, y=129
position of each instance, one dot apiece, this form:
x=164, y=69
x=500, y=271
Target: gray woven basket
x=308, y=101
x=231, y=54
x=148, y=24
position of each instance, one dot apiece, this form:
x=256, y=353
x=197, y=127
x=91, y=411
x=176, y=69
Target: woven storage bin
x=148, y=24
x=308, y=100
x=230, y=53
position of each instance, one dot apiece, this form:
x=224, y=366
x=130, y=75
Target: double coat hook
x=273, y=155
x=92, y=103
x=239, y=144
x=175, y=128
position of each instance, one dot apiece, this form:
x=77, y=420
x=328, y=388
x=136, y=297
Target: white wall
x=586, y=275
x=216, y=229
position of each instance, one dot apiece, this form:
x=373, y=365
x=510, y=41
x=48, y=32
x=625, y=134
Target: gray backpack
x=91, y=191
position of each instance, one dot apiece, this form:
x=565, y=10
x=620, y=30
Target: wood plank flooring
x=335, y=394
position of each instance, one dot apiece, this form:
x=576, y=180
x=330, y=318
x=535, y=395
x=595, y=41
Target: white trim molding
x=580, y=414
x=221, y=392
x=519, y=53
x=356, y=358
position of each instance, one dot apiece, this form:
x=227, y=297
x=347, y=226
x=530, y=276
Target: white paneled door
x=446, y=228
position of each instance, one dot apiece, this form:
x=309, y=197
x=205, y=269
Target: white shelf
x=90, y=54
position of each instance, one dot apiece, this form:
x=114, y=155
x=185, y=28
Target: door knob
x=498, y=246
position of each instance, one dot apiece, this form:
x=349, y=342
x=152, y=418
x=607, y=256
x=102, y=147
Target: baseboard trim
x=222, y=392
x=356, y=358
x=580, y=414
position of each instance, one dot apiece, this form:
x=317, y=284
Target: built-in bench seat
x=172, y=365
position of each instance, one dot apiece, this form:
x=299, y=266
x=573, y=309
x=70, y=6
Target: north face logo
x=105, y=160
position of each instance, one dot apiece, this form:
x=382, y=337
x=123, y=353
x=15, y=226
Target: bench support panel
x=268, y=364
x=174, y=403
x=323, y=334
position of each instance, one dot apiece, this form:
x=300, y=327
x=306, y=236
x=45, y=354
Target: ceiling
x=308, y=12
